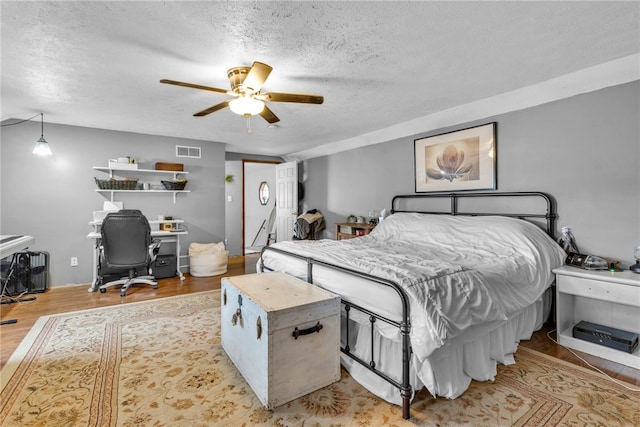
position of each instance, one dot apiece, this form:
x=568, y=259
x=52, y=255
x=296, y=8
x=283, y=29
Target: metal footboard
x=404, y=325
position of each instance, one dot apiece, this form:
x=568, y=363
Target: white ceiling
x=386, y=69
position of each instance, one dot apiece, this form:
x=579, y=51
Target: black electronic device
x=636, y=267
x=25, y=272
x=607, y=336
x=588, y=262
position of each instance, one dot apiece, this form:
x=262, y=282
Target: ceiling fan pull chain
x=249, y=124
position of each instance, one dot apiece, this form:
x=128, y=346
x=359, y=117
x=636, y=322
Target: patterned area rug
x=160, y=363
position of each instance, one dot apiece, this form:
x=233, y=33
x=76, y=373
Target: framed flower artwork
x=457, y=161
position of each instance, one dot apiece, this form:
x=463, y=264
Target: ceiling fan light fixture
x=246, y=106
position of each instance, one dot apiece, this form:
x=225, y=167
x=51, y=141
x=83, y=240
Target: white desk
x=165, y=236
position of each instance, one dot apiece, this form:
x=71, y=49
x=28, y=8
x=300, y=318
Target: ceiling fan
x=246, y=83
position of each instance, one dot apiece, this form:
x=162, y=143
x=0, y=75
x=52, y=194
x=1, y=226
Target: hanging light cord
x=26, y=120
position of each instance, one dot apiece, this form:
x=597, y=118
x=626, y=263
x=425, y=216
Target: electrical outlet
x=74, y=261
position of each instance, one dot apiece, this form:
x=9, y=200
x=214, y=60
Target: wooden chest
x=282, y=334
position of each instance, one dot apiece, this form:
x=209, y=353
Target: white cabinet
x=603, y=297
x=128, y=172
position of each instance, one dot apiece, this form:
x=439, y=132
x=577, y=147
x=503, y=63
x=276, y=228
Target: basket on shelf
x=174, y=185
x=117, y=184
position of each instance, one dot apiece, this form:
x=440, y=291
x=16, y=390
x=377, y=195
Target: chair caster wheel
x=123, y=294
x=103, y=290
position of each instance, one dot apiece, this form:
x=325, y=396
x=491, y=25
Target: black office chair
x=127, y=245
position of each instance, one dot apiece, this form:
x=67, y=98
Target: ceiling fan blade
x=256, y=77
x=268, y=115
x=213, y=109
x=194, y=86
x=293, y=97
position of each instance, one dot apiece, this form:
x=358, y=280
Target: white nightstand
x=603, y=297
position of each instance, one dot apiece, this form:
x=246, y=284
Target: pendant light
x=42, y=146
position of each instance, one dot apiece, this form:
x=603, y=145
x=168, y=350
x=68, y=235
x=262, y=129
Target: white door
x=286, y=199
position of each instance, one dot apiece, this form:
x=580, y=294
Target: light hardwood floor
x=71, y=298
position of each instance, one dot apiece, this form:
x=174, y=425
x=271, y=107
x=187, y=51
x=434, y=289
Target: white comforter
x=457, y=271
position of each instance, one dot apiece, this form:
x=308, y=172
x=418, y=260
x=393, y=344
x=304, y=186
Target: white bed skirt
x=448, y=371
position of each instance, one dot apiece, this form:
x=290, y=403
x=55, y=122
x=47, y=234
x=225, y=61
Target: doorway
x=258, y=203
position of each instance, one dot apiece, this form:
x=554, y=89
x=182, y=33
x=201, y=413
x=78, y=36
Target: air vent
x=184, y=151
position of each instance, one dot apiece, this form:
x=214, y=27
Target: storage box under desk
x=281, y=333
x=164, y=266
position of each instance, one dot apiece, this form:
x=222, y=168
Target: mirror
x=263, y=193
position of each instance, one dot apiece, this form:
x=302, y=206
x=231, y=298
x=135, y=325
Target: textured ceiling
x=378, y=64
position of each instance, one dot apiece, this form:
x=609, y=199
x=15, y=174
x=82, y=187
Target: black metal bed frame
x=404, y=325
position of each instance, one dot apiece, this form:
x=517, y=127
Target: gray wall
x=233, y=208
x=255, y=213
x=52, y=198
x=584, y=150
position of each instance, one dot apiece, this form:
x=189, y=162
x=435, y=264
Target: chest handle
x=297, y=332
x=236, y=316
x=258, y=328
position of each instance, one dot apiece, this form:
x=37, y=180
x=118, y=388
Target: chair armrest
x=100, y=249
x=154, y=248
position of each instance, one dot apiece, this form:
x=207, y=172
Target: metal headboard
x=549, y=215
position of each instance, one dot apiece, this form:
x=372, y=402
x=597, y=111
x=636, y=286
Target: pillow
x=498, y=234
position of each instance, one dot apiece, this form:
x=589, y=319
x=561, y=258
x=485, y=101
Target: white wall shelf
x=602, y=297
x=113, y=172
